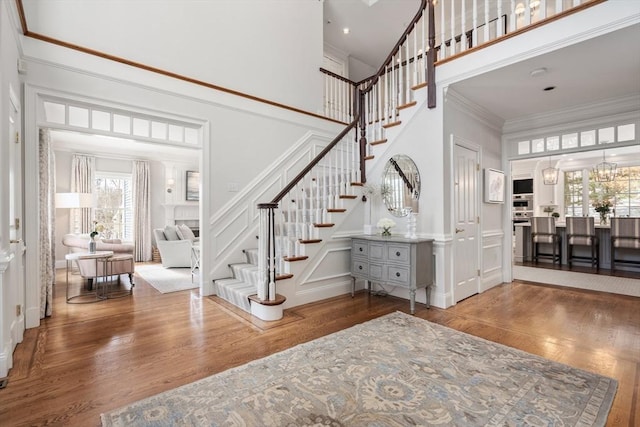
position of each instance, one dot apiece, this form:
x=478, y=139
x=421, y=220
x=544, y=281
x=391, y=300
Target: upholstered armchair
x=174, y=244
x=121, y=264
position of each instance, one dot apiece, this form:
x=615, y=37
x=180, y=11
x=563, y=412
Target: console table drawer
x=359, y=268
x=399, y=253
x=399, y=275
x=360, y=248
x=367, y=271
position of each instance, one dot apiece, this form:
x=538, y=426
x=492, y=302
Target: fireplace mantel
x=182, y=213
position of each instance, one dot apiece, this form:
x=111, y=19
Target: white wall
x=268, y=49
x=11, y=267
x=241, y=137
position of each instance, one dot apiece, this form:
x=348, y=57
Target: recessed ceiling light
x=538, y=72
x=345, y=30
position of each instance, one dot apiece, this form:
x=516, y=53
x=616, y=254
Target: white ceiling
x=606, y=67
x=374, y=29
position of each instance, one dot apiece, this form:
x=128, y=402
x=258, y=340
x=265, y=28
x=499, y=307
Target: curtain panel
x=141, y=210
x=82, y=181
x=47, y=185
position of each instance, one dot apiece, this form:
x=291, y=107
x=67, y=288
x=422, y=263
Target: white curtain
x=141, y=210
x=82, y=181
x=47, y=222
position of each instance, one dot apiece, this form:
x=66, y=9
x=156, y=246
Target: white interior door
x=466, y=201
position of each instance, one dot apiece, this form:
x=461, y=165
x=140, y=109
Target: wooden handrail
x=316, y=160
x=403, y=37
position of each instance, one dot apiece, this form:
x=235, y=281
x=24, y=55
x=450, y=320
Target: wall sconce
x=605, y=171
x=550, y=175
x=170, y=184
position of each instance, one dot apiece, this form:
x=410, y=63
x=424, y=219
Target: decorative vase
x=92, y=246
x=386, y=231
x=603, y=218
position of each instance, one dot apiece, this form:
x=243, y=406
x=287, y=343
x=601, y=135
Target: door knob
x=459, y=230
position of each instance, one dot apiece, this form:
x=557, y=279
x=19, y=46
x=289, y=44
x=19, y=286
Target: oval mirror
x=401, y=185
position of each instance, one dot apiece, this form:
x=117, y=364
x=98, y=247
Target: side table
x=195, y=258
x=86, y=297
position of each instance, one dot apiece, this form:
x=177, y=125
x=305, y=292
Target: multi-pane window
x=573, y=193
x=114, y=206
x=623, y=192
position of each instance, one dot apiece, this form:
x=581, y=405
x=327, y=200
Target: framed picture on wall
x=493, y=186
x=193, y=186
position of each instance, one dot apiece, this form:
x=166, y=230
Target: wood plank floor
x=91, y=358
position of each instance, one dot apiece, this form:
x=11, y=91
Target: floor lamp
x=74, y=201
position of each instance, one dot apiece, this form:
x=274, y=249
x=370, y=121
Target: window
x=573, y=193
x=624, y=192
x=114, y=205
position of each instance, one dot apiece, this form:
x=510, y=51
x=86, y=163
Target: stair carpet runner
x=243, y=284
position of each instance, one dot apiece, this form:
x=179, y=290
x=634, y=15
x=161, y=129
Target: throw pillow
x=171, y=232
x=185, y=232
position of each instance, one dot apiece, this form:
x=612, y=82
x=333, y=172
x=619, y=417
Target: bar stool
x=625, y=234
x=581, y=231
x=543, y=230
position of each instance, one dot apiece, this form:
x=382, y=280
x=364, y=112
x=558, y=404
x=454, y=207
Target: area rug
x=167, y=280
x=397, y=370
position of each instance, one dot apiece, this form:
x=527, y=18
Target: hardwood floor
x=90, y=358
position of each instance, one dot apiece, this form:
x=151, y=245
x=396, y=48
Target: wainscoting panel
x=492, y=259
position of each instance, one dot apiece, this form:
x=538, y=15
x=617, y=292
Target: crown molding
x=478, y=112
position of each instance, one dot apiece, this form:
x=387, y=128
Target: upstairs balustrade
x=438, y=32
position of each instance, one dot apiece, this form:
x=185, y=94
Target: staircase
x=242, y=284
x=323, y=191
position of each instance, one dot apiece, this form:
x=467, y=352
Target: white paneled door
x=466, y=218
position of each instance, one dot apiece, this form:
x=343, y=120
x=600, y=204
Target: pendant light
x=604, y=171
x=550, y=175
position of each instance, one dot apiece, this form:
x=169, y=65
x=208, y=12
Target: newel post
x=431, y=57
x=267, y=252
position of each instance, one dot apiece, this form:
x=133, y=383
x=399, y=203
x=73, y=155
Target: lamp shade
x=74, y=200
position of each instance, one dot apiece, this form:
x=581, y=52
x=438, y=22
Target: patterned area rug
x=167, y=280
x=397, y=370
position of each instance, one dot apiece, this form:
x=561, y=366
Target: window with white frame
x=114, y=205
x=623, y=193
x=573, y=186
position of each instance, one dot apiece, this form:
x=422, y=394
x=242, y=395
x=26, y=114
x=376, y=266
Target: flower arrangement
x=386, y=224
x=603, y=208
x=97, y=229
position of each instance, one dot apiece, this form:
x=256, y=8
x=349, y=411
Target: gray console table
x=395, y=261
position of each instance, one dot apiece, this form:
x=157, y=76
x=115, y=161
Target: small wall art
x=493, y=186
x=193, y=186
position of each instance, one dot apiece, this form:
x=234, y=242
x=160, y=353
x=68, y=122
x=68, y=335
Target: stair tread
x=392, y=124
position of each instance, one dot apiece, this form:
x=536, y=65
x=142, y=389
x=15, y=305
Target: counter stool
x=625, y=234
x=543, y=230
x=581, y=231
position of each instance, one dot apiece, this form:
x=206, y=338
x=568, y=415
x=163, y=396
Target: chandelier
x=550, y=175
x=604, y=171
